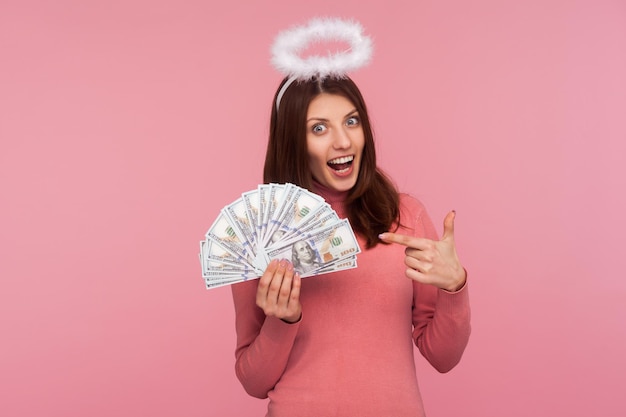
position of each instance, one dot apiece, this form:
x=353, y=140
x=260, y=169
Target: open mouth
x=341, y=164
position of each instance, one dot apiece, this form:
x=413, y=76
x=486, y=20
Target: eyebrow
x=320, y=119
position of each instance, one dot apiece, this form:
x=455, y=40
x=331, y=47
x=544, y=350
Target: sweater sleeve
x=441, y=319
x=263, y=343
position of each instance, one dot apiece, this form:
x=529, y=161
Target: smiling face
x=334, y=141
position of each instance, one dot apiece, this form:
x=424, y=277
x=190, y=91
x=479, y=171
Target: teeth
x=341, y=160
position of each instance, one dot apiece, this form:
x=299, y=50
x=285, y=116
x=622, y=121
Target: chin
x=345, y=185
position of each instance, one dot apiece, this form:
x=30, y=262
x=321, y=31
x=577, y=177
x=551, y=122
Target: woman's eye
x=353, y=121
x=318, y=128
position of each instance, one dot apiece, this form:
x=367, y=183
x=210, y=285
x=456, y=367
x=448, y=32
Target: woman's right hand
x=278, y=292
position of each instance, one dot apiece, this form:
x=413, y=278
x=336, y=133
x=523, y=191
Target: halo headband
x=289, y=43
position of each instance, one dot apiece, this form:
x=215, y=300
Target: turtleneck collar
x=330, y=195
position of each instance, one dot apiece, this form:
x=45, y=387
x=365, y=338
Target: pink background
x=126, y=125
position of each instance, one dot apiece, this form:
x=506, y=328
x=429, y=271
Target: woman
x=342, y=344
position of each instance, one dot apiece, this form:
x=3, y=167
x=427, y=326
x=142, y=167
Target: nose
x=341, y=139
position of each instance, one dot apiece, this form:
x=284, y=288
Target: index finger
x=410, y=241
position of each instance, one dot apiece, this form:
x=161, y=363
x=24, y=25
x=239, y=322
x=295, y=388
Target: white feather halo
x=289, y=43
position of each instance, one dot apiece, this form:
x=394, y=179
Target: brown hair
x=372, y=205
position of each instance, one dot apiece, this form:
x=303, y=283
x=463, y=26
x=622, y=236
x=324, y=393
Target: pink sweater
x=351, y=354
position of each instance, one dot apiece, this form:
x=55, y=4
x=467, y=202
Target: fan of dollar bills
x=276, y=221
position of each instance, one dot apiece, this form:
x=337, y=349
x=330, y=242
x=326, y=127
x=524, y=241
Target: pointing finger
x=410, y=241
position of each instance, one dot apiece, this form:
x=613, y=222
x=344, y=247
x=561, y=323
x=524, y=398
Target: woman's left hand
x=430, y=261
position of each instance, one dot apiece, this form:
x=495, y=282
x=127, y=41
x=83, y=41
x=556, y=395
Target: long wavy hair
x=372, y=205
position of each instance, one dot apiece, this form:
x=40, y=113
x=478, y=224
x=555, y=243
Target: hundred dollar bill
x=274, y=195
x=214, y=276
x=276, y=221
x=220, y=271
x=340, y=265
x=224, y=234
x=312, y=253
x=288, y=194
x=262, y=192
x=215, y=259
x=213, y=254
x=238, y=218
x=252, y=205
x=301, y=205
x=214, y=283
x=322, y=217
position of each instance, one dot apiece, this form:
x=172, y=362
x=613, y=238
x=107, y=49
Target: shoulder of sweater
x=411, y=204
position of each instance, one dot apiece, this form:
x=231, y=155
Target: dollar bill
x=323, y=216
x=276, y=221
x=252, y=206
x=342, y=264
x=316, y=250
x=225, y=235
x=288, y=194
x=214, y=256
x=273, y=199
x=300, y=206
x=237, y=216
x=263, y=193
